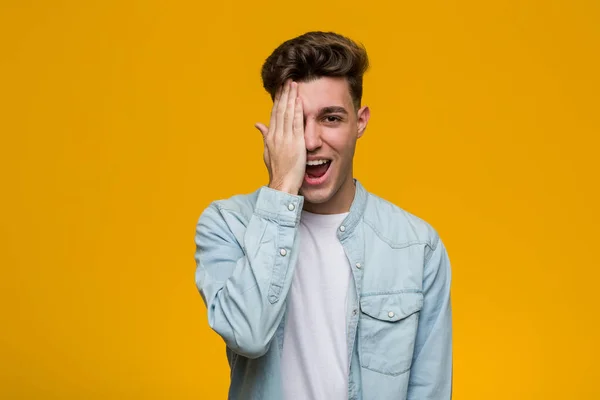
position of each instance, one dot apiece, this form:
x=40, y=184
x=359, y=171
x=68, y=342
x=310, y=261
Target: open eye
x=332, y=118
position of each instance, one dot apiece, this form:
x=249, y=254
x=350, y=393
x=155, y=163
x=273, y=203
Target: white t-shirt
x=314, y=360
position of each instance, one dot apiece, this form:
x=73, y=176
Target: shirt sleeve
x=244, y=283
x=431, y=371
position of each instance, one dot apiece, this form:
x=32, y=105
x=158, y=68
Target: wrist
x=283, y=187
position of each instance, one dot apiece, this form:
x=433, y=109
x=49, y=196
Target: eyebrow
x=331, y=110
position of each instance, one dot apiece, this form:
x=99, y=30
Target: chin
x=316, y=196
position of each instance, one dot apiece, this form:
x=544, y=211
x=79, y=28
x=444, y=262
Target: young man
x=320, y=289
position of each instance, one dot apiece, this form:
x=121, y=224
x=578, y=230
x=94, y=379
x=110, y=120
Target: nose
x=312, y=136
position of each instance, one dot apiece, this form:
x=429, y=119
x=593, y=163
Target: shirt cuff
x=280, y=206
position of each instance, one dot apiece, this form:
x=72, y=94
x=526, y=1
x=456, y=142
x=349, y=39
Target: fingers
x=263, y=129
x=281, y=108
x=283, y=114
x=288, y=118
x=298, y=128
x=273, y=120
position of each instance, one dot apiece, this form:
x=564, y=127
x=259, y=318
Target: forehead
x=324, y=92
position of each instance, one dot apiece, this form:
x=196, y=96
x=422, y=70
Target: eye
x=332, y=118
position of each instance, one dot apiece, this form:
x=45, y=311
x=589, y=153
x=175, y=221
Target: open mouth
x=316, y=171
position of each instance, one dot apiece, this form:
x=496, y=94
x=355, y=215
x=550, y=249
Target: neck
x=339, y=203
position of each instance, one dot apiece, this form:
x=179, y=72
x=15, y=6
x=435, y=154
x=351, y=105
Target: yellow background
x=122, y=120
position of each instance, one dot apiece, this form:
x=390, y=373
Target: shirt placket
x=353, y=244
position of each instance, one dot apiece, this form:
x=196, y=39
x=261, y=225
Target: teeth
x=317, y=162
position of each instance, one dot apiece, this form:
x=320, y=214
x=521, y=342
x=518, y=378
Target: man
x=320, y=289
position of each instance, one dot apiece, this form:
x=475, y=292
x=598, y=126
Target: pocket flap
x=392, y=306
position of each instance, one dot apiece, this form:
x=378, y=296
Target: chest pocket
x=387, y=330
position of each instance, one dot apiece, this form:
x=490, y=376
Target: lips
x=317, y=174
x=317, y=171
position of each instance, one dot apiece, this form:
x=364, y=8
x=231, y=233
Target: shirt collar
x=357, y=209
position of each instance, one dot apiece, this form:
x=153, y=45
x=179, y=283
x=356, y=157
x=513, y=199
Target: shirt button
x=354, y=312
x=283, y=252
x=391, y=314
x=358, y=265
x=342, y=228
x=291, y=207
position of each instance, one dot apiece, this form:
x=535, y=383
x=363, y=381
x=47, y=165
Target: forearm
x=245, y=288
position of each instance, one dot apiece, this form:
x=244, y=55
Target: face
x=332, y=127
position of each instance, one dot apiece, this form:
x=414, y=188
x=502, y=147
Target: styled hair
x=314, y=55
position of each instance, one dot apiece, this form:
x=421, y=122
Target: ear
x=362, y=119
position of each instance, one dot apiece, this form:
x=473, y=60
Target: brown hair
x=314, y=55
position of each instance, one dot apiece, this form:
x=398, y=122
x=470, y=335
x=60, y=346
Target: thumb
x=262, y=128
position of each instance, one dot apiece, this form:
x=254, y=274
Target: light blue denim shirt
x=399, y=322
